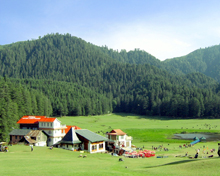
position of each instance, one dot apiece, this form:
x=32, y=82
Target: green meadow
x=146, y=132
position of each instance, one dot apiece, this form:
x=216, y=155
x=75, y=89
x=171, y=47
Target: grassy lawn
x=146, y=132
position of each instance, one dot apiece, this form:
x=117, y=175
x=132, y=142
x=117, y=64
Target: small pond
x=191, y=136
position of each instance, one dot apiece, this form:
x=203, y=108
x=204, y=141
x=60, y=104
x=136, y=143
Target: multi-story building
x=52, y=127
x=118, y=139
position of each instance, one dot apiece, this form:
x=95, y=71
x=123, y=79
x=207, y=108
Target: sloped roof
x=29, y=140
x=117, y=132
x=20, y=132
x=30, y=119
x=34, y=133
x=50, y=119
x=91, y=136
x=68, y=127
x=70, y=137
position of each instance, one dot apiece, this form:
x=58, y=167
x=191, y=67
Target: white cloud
x=162, y=43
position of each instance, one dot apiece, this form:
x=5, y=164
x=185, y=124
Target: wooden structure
x=28, y=136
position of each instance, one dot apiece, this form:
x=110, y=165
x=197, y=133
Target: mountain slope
x=130, y=87
x=206, y=61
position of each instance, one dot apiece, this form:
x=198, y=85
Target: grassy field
x=145, y=131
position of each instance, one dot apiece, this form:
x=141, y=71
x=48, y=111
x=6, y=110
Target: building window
x=94, y=147
x=101, y=146
x=19, y=137
x=122, y=137
x=113, y=137
x=15, y=137
x=47, y=124
x=51, y=124
x=49, y=131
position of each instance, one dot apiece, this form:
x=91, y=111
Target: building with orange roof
x=30, y=122
x=118, y=139
x=52, y=127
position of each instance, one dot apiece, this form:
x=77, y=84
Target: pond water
x=191, y=136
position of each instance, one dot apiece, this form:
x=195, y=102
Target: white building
x=119, y=139
x=53, y=128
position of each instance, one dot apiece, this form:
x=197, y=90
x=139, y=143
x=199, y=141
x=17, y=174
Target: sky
x=163, y=28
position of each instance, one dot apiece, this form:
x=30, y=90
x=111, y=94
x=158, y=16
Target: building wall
x=45, y=124
x=96, y=147
x=41, y=139
x=54, y=132
x=15, y=138
x=29, y=126
x=69, y=146
x=41, y=143
x=120, y=141
x=52, y=140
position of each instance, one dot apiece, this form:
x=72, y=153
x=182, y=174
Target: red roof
x=117, y=132
x=47, y=120
x=68, y=127
x=30, y=119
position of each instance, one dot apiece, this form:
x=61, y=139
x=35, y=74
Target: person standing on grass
x=219, y=149
x=32, y=147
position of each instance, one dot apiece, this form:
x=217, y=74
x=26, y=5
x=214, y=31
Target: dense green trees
x=16, y=101
x=69, y=98
x=206, y=61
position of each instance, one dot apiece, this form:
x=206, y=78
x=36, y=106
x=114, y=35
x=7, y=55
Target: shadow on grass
x=146, y=117
x=161, y=117
x=181, y=162
x=173, y=163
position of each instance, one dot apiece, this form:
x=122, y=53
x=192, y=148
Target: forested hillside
x=16, y=101
x=206, y=61
x=80, y=78
x=70, y=98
